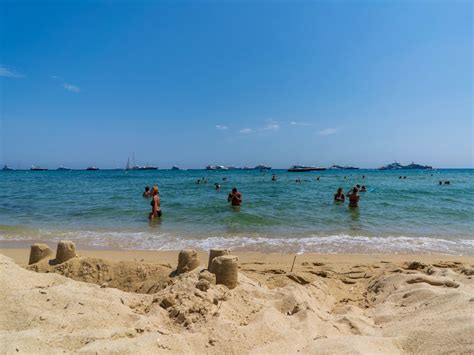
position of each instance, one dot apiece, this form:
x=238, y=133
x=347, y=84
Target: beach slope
x=330, y=306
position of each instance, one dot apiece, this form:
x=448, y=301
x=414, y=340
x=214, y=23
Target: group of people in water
x=234, y=197
x=352, y=194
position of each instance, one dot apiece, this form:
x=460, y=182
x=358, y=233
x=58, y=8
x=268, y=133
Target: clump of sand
x=130, y=276
x=380, y=307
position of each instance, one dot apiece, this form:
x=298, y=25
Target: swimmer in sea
x=274, y=178
x=363, y=189
x=155, y=204
x=339, y=195
x=317, y=178
x=218, y=187
x=147, y=192
x=354, y=198
x=235, y=198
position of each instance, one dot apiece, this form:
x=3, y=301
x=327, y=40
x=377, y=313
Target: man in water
x=155, y=204
x=218, y=187
x=274, y=178
x=339, y=195
x=235, y=198
x=147, y=192
x=354, y=198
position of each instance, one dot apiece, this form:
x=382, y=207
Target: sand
x=132, y=302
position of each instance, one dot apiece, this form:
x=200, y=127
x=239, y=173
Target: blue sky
x=276, y=82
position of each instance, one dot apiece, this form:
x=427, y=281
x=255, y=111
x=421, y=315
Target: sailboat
x=138, y=167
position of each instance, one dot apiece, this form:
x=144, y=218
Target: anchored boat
x=302, y=168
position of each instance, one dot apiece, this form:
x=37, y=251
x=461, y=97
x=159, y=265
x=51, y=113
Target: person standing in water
x=235, y=198
x=339, y=195
x=147, y=192
x=274, y=178
x=354, y=198
x=155, y=204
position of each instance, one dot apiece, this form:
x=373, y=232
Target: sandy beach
x=108, y=301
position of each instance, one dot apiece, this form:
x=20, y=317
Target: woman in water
x=155, y=204
x=339, y=195
x=354, y=197
x=235, y=198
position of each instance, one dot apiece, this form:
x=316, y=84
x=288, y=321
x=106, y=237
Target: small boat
x=7, y=168
x=92, y=168
x=174, y=167
x=138, y=167
x=37, y=168
x=302, y=168
x=233, y=167
x=62, y=168
x=345, y=167
x=216, y=167
x=262, y=167
x=146, y=167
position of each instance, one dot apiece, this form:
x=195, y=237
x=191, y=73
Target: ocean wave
x=333, y=244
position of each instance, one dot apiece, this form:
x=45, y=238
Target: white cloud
x=327, y=131
x=296, y=123
x=56, y=77
x=221, y=127
x=71, y=87
x=246, y=130
x=271, y=127
x=8, y=73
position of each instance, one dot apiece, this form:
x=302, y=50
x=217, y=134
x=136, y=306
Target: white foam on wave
x=341, y=243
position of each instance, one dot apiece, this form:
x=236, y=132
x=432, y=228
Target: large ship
x=417, y=166
x=412, y=166
x=37, y=168
x=262, y=167
x=6, y=168
x=302, y=168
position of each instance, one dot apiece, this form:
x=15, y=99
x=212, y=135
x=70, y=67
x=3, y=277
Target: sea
x=105, y=209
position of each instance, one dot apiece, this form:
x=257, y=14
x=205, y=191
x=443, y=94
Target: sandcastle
x=214, y=253
x=66, y=250
x=225, y=268
x=187, y=261
x=39, y=252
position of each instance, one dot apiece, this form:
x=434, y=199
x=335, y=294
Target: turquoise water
x=106, y=209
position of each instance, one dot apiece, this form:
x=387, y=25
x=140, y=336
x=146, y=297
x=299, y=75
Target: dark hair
x=147, y=188
x=355, y=190
x=234, y=189
x=339, y=189
x=357, y=185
